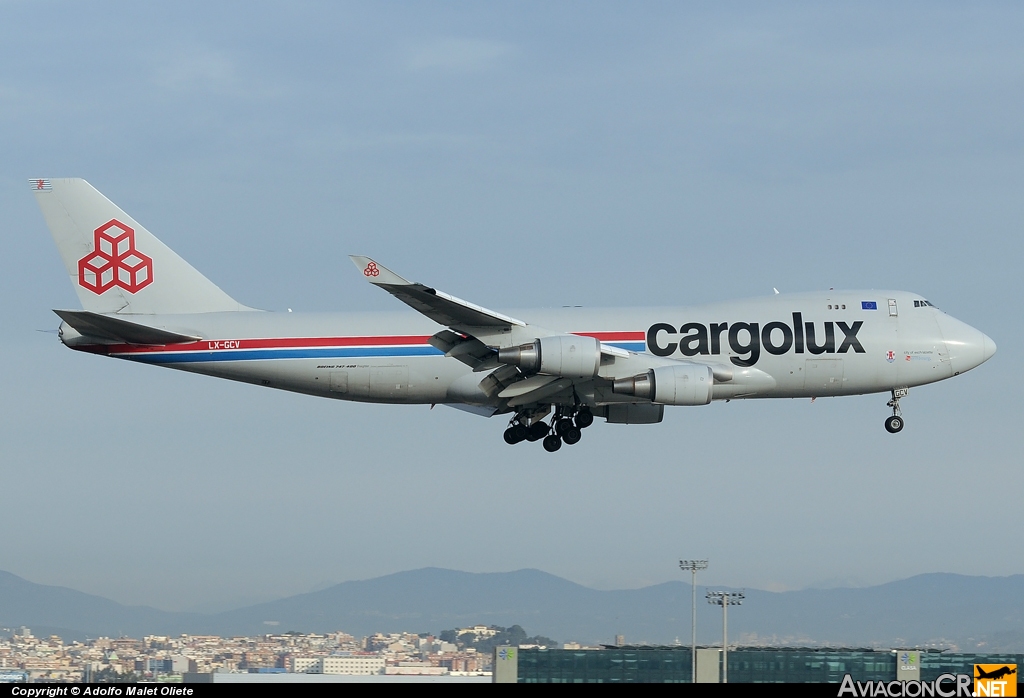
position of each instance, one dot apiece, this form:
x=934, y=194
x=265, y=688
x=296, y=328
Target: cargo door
x=389, y=382
x=339, y=381
x=823, y=376
x=355, y=382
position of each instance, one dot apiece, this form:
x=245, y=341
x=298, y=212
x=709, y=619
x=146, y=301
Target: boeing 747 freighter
x=551, y=371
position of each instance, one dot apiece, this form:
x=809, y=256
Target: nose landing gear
x=894, y=424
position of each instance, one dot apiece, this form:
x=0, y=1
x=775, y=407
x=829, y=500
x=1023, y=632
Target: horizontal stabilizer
x=117, y=329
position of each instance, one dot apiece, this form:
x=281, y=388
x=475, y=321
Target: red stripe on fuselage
x=276, y=343
x=615, y=336
x=300, y=342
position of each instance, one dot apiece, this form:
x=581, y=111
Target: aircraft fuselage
x=786, y=345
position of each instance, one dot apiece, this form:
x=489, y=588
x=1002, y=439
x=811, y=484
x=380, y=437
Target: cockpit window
x=924, y=304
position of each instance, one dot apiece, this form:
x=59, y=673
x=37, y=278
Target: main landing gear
x=566, y=427
x=894, y=424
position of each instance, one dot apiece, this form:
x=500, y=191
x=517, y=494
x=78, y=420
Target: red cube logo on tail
x=114, y=261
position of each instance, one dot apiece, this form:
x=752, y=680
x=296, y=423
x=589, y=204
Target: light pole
x=693, y=566
x=725, y=599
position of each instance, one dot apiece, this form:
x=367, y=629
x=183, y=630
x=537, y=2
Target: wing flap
x=468, y=350
x=119, y=330
x=539, y=393
x=527, y=385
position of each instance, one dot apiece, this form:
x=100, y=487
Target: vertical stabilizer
x=115, y=264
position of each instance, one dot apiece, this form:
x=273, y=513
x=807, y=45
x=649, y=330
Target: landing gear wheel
x=537, y=431
x=552, y=443
x=572, y=435
x=562, y=425
x=894, y=424
x=584, y=418
x=515, y=433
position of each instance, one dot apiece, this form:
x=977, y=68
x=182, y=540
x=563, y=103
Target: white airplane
x=143, y=302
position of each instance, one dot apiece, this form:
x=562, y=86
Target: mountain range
x=965, y=612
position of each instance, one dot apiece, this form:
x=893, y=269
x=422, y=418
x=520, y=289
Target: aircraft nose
x=967, y=346
x=989, y=349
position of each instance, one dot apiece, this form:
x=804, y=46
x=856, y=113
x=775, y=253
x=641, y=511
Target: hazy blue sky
x=518, y=155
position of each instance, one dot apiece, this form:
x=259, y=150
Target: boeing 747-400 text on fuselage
x=143, y=302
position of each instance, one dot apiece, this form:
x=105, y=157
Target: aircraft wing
x=475, y=333
x=467, y=319
x=436, y=305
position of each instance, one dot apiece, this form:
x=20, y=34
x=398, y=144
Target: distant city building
x=299, y=665
x=13, y=676
x=156, y=666
x=162, y=658
x=358, y=665
x=746, y=665
x=482, y=632
x=415, y=669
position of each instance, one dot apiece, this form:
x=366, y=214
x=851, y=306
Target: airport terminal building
x=673, y=664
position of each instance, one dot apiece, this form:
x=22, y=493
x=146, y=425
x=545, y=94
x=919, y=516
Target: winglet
x=377, y=273
x=436, y=305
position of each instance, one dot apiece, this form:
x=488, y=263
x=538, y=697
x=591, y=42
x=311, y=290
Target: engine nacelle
x=670, y=385
x=569, y=356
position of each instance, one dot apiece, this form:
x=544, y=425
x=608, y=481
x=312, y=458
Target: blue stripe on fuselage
x=264, y=354
x=326, y=353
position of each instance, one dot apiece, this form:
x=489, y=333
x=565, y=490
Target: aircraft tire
x=584, y=418
x=572, y=435
x=552, y=443
x=894, y=424
x=515, y=434
x=562, y=425
x=537, y=431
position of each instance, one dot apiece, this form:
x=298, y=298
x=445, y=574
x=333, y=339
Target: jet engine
x=687, y=384
x=569, y=356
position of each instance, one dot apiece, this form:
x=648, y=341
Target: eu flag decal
x=868, y=305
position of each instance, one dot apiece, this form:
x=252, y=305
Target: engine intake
x=670, y=385
x=569, y=356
